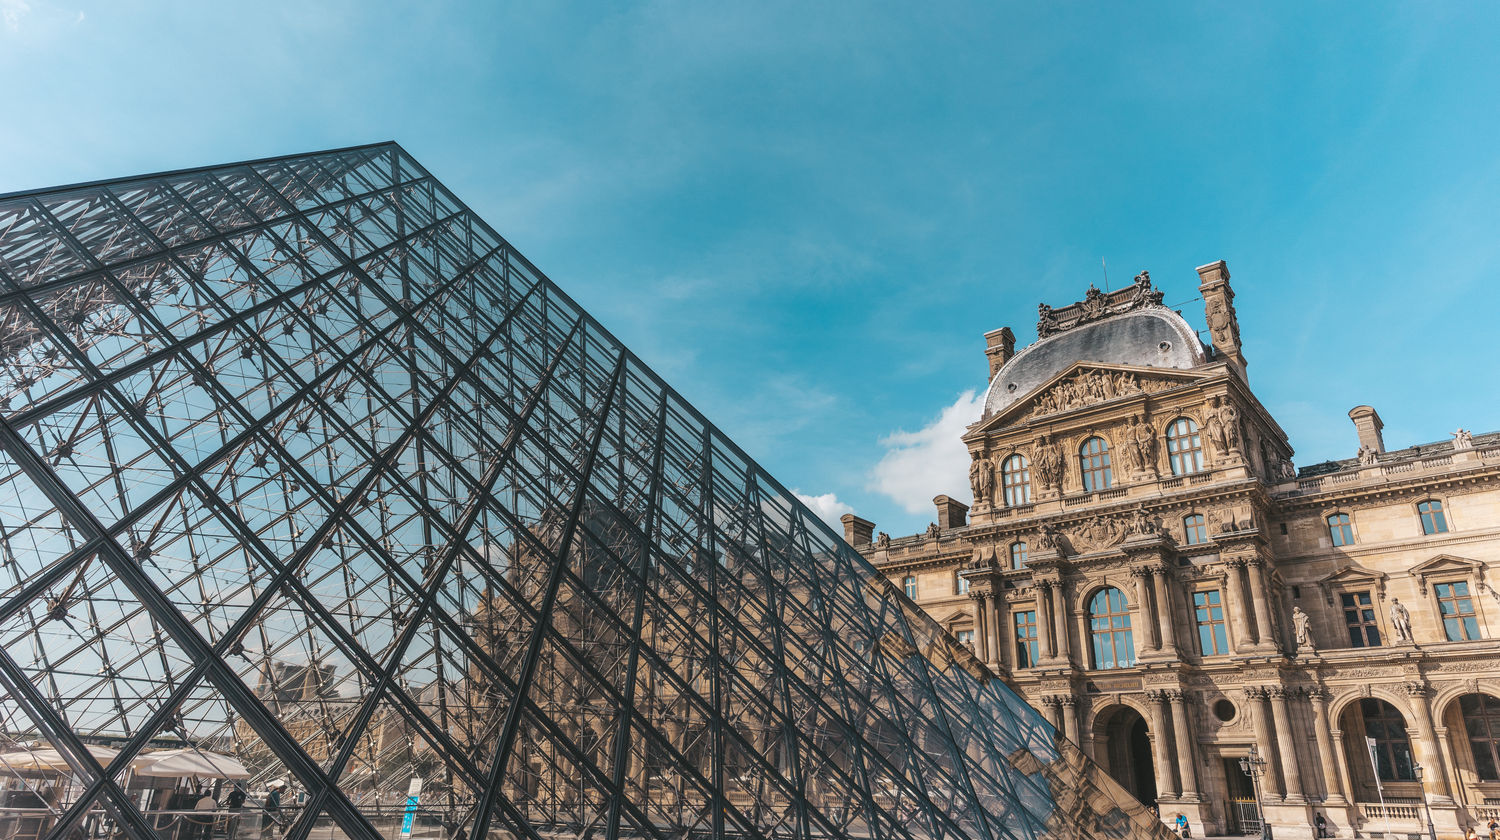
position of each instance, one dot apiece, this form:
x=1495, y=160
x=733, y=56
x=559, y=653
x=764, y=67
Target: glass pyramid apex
x=309, y=482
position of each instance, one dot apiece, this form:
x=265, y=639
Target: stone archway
x=1122, y=745
x=1377, y=718
x=1473, y=724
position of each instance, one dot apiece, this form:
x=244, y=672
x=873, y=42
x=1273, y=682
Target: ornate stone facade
x=1170, y=590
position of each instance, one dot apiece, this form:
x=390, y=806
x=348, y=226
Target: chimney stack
x=857, y=532
x=951, y=512
x=1000, y=346
x=1367, y=424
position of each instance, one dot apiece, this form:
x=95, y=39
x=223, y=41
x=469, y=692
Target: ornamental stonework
x=1092, y=387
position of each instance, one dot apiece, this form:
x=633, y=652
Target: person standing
x=203, y=816
x=272, y=818
x=233, y=803
x=1321, y=824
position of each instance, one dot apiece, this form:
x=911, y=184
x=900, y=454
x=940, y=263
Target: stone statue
x=1221, y=323
x=976, y=483
x=1141, y=524
x=987, y=479
x=1046, y=322
x=1366, y=456
x=1141, y=446
x=1049, y=463
x=1301, y=624
x=1230, y=417
x=933, y=530
x=1462, y=439
x=1048, y=537
x=883, y=540
x=1213, y=425
x=1401, y=621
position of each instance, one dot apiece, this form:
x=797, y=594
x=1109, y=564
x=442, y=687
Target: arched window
x=1093, y=460
x=1015, y=479
x=1392, y=749
x=1109, y=626
x=1482, y=723
x=1339, y=529
x=1184, y=446
x=1433, y=521
x=1018, y=555
x=1194, y=529
x=909, y=583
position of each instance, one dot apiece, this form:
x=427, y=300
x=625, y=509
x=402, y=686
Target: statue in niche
x=1049, y=463
x=1301, y=624
x=1401, y=621
x=1222, y=422
x=1140, y=446
x=982, y=478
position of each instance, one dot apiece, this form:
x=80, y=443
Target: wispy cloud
x=827, y=506
x=919, y=465
x=11, y=12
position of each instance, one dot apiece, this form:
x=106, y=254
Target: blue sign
x=411, y=816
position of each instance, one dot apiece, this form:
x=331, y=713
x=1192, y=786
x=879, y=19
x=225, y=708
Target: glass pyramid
x=313, y=487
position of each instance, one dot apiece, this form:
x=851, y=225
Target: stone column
x=1341, y=756
x=1255, y=697
x=1234, y=600
x=1053, y=704
x=981, y=628
x=1327, y=759
x=1069, y=705
x=1142, y=575
x=1168, y=636
x=1044, y=620
x=1288, y=752
x=1060, y=620
x=1186, y=768
x=1435, y=775
x=1255, y=567
x=997, y=629
x=1160, y=751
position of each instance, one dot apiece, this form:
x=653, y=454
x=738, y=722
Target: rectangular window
x=1339, y=529
x=961, y=584
x=909, y=583
x=1433, y=520
x=1359, y=617
x=1210, y=612
x=1194, y=529
x=1457, y=609
x=965, y=637
x=1026, y=644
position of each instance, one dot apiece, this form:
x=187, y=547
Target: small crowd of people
x=201, y=824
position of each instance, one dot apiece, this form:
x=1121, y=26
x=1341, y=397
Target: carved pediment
x=1451, y=566
x=1353, y=577
x=1083, y=385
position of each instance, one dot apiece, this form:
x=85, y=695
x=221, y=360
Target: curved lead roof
x=1156, y=337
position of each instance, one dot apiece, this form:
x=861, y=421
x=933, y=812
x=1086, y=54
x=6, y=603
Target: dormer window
x=1433, y=520
x=1093, y=461
x=1184, y=447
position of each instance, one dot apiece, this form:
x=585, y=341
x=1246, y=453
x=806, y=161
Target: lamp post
x=1254, y=766
x=1416, y=770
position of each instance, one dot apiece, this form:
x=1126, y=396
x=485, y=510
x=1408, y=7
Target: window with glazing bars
x=1194, y=529
x=1212, y=639
x=1457, y=610
x=1109, y=625
x=1093, y=461
x=1339, y=529
x=1027, y=654
x=1018, y=555
x=1184, y=447
x=909, y=583
x=1015, y=478
x=1359, y=618
x=1433, y=521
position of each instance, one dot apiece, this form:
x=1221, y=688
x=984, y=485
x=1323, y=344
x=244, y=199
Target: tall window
x=1433, y=521
x=1359, y=617
x=1015, y=478
x=1339, y=529
x=909, y=583
x=1482, y=723
x=1184, y=447
x=960, y=584
x=1194, y=529
x=1457, y=610
x=1093, y=459
x=1026, y=644
x=1109, y=625
x=1210, y=614
x=1392, y=750
x=965, y=637
x=1018, y=555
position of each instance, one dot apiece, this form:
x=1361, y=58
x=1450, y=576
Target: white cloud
x=11, y=12
x=919, y=465
x=827, y=507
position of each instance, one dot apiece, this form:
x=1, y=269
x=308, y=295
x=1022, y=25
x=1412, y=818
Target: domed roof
x=1151, y=337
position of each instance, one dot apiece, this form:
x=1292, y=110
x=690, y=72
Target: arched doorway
x=1392, y=760
x=1123, y=746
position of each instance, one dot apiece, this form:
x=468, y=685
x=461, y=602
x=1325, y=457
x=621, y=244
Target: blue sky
x=806, y=215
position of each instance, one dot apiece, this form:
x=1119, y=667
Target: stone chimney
x=1367, y=424
x=857, y=532
x=1000, y=346
x=1218, y=311
x=951, y=512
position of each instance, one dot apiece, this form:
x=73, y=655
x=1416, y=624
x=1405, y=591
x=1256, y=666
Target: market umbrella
x=48, y=760
x=189, y=762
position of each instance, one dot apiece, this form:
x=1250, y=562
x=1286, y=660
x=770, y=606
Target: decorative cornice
x=1097, y=305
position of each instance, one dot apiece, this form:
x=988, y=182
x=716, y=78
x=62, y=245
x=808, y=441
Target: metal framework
x=303, y=464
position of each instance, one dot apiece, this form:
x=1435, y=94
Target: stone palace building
x=1143, y=562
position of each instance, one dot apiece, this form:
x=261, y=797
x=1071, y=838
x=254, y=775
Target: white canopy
x=189, y=762
x=48, y=760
